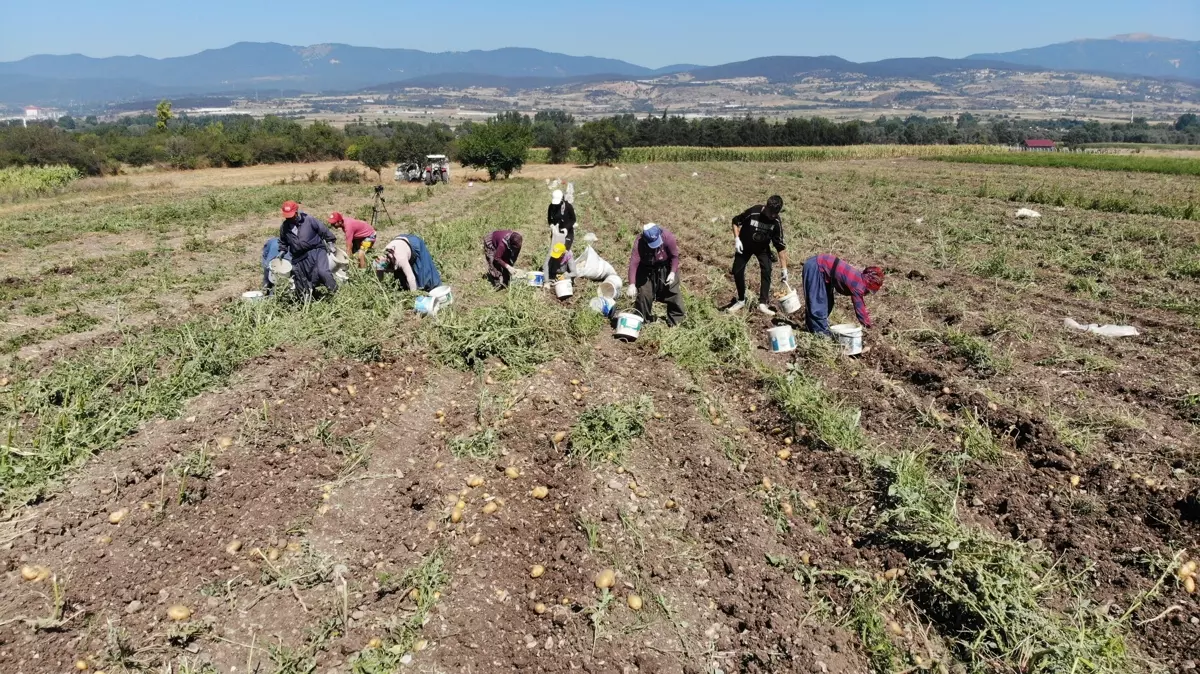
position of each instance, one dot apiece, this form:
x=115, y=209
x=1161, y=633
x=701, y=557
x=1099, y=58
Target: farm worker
x=304, y=238
x=559, y=258
x=272, y=251
x=560, y=215
x=755, y=230
x=653, y=273
x=360, y=236
x=408, y=258
x=826, y=274
x=501, y=250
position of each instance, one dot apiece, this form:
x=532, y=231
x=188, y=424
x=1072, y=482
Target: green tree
x=554, y=129
x=600, y=142
x=500, y=146
x=373, y=154
x=66, y=122
x=1187, y=121
x=163, y=114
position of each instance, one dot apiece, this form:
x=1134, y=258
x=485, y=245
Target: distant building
x=1038, y=145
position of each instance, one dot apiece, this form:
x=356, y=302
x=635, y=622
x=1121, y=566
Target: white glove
x=783, y=275
x=671, y=279
x=631, y=291
x=737, y=245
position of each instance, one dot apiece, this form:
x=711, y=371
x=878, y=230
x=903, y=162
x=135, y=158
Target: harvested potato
x=476, y=539
x=895, y=628
x=272, y=554
x=539, y=492
x=421, y=645
x=375, y=642
x=456, y=516
x=1189, y=584
x=474, y=481
x=784, y=454
x=635, y=602
x=118, y=515
x=30, y=573
x=559, y=437
x=225, y=442
x=606, y=579
x=539, y=608
x=1074, y=480
x=104, y=540
x=787, y=509
x=234, y=547
x=537, y=571
x=512, y=472
x=81, y=665
x=490, y=508
x=179, y=613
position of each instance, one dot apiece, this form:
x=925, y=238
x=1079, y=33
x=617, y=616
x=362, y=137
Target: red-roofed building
x=1038, y=145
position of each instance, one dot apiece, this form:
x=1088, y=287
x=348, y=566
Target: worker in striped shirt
x=825, y=275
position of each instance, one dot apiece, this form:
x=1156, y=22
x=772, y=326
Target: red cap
x=289, y=208
x=335, y=218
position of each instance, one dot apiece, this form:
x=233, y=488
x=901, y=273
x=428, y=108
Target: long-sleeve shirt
x=506, y=252
x=402, y=254
x=561, y=216
x=556, y=266
x=667, y=253
x=846, y=280
x=757, y=229
x=303, y=234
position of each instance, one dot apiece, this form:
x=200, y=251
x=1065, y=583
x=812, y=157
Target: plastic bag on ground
x=593, y=267
x=1103, y=330
x=1028, y=213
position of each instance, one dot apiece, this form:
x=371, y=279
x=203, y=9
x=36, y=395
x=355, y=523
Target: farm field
x=1150, y=163
x=195, y=484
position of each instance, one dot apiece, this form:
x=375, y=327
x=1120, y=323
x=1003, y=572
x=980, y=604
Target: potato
x=375, y=642
x=787, y=440
x=766, y=483
x=272, y=554
x=1188, y=569
x=116, y=516
x=539, y=608
x=225, y=442
x=1189, y=584
x=456, y=516
x=512, y=472
x=104, y=540
x=892, y=574
x=421, y=645
x=559, y=437
x=351, y=390
x=414, y=594
x=1074, y=480
x=476, y=539
x=606, y=579
x=179, y=613
x=805, y=558
x=787, y=509
x=490, y=508
x=574, y=382
x=537, y=571
x=539, y=493
x=895, y=628
x=29, y=572
x=474, y=481
x=234, y=547
x=671, y=504
x=635, y=602
x=784, y=454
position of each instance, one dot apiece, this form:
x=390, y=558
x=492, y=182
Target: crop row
x=639, y=155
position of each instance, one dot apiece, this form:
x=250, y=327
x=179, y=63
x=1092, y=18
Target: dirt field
x=195, y=484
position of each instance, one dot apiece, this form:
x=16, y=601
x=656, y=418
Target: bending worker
x=755, y=230
x=825, y=275
x=653, y=273
x=559, y=260
x=304, y=238
x=500, y=251
x=360, y=236
x=561, y=217
x=408, y=259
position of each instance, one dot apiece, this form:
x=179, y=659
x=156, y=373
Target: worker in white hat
x=561, y=217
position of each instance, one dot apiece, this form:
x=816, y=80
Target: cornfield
x=646, y=155
x=27, y=181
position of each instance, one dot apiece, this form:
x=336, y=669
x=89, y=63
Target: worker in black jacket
x=304, y=237
x=755, y=231
x=561, y=218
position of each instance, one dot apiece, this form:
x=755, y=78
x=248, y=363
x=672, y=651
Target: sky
x=652, y=33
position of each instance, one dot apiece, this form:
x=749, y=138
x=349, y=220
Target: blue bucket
x=426, y=305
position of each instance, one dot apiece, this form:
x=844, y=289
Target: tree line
x=500, y=144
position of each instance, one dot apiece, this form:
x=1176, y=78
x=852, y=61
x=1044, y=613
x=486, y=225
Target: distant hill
x=1134, y=54
x=789, y=68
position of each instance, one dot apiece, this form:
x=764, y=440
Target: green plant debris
x=604, y=432
x=422, y=586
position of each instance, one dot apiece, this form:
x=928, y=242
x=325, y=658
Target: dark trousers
x=310, y=270
x=652, y=287
x=818, y=298
x=765, y=263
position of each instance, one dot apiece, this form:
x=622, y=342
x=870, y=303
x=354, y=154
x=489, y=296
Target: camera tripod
x=380, y=206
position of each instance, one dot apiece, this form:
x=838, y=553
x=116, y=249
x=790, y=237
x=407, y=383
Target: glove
x=783, y=275
x=737, y=245
x=631, y=291
x=671, y=279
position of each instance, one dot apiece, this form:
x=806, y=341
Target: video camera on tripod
x=380, y=205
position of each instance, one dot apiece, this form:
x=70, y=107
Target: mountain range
x=271, y=68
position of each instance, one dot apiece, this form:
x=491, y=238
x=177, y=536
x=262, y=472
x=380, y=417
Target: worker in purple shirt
x=826, y=275
x=654, y=273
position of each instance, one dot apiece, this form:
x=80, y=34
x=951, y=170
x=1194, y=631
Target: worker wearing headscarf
x=500, y=251
x=561, y=217
x=408, y=259
x=827, y=275
x=653, y=273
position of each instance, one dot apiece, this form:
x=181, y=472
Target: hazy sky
x=652, y=33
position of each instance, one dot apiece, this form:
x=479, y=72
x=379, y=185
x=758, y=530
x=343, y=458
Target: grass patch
x=707, y=340
x=977, y=440
x=522, y=332
x=481, y=445
x=422, y=585
x=1102, y=162
x=806, y=403
x=1078, y=359
x=975, y=351
x=604, y=433
x=999, y=265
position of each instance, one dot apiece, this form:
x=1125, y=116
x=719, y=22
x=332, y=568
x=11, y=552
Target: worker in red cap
x=360, y=236
x=825, y=275
x=305, y=238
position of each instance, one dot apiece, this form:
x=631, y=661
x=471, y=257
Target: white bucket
x=253, y=295
x=338, y=260
x=537, y=279
x=850, y=336
x=280, y=271
x=603, y=305
x=564, y=288
x=782, y=339
x=610, y=287
x=629, y=325
x=442, y=296
x=791, y=302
